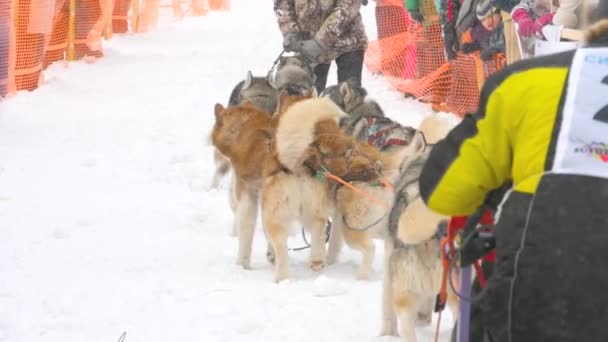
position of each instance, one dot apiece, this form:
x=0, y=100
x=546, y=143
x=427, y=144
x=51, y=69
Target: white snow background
x=106, y=224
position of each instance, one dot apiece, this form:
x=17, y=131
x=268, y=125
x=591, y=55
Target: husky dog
x=352, y=98
x=412, y=269
x=278, y=158
x=295, y=194
x=295, y=75
x=357, y=221
x=260, y=92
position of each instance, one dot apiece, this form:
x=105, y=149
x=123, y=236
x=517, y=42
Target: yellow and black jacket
x=551, y=273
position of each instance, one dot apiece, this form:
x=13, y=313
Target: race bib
x=582, y=146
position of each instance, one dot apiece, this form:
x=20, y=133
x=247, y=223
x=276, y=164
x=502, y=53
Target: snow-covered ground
x=106, y=225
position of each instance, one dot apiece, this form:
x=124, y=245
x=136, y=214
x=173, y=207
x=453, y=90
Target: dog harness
x=378, y=137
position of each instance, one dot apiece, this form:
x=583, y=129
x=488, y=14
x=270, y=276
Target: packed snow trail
x=106, y=222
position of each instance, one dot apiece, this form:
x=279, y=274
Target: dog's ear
x=270, y=79
x=345, y=91
x=418, y=142
x=219, y=109
x=248, y=80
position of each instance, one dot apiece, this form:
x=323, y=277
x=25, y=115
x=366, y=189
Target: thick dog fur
x=244, y=135
x=308, y=137
x=261, y=93
x=412, y=269
x=294, y=75
x=352, y=99
x=296, y=129
x=247, y=137
x=357, y=220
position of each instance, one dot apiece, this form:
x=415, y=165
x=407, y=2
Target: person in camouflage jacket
x=324, y=31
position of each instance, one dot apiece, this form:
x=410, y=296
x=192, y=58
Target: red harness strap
x=457, y=223
x=381, y=135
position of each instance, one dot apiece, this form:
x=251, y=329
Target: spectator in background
x=531, y=16
x=459, y=16
x=486, y=34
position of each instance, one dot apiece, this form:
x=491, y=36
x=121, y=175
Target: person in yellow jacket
x=542, y=124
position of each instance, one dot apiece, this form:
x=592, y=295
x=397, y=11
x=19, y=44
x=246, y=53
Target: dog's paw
x=317, y=265
x=389, y=328
x=245, y=263
x=280, y=276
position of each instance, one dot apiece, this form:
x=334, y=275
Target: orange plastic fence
x=37, y=33
x=411, y=56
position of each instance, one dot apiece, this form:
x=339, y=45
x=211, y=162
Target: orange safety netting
x=37, y=33
x=411, y=56
x=7, y=48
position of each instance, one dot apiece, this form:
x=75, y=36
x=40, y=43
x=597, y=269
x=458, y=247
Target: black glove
x=291, y=41
x=450, y=40
x=416, y=15
x=488, y=54
x=470, y=47
x=311, y=50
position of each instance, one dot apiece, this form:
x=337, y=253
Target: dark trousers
x=350, y=66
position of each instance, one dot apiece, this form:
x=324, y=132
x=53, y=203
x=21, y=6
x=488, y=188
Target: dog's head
x=347, y=95
x=295, y=75
x=229, y=122
x=257, y=90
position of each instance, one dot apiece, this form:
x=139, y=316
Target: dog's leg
x=389, y=319
x=275, y=219
x=336, y=240
x=407, y=311
x=425, y=312
x=233, y=204
x=277, y=235
x=361, y=241
x=270, y=255
x=247, y=210
x=317, y=244
x=222, y=166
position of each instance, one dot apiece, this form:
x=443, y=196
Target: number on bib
x=602, y=114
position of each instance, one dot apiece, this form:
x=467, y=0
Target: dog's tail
x=418, y=223
x=298, y=126
x=436, y=126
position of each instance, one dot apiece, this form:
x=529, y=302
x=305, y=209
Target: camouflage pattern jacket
x=335, y=24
